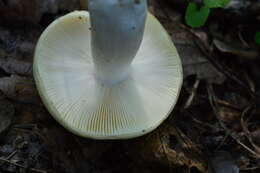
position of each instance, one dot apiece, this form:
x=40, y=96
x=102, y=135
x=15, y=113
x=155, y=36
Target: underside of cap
x=64, y=75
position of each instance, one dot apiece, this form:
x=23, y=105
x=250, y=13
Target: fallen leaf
x=32, y=10
x=194, y=63
x=230, y=117
x=21, y=89
x=235, y=49
x=12, y=66
x=6, y=114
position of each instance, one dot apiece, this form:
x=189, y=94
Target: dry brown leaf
x=21, y=89
x=32, y=10
x=155, y=148
x=13, y=66
x=230, y=117
x=194, y=63
x=6, y=114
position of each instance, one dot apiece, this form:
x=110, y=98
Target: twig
x=206, y=51
x=25, y=126
x=219, y=101
x=193, y=93
x=164, y=150
x=227, y=104
x=247, y=133
x=249, y=169
x=10, y=156
x=205, y=124
x=21, y=166
x=222, y=142
x=192, y=150
x=243, y=40
x=220, y=67
x=228, y=131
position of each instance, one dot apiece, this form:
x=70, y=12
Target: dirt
x=213, y=128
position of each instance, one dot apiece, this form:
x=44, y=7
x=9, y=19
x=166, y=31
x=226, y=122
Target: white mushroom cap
x=64, y=75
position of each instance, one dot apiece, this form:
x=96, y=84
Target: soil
x=215, y=126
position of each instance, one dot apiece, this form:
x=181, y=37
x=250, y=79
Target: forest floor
x=215, y=126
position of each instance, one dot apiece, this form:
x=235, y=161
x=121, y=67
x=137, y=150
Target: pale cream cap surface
x=64, y=75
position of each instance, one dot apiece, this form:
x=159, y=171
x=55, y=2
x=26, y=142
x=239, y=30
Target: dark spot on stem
x=80, y=17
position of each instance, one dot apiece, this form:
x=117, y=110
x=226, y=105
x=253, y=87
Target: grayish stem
x=117, y=28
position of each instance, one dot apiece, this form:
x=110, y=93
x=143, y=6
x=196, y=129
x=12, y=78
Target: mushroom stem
x=117, y=28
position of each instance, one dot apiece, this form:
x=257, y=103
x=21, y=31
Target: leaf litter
x=214, y=127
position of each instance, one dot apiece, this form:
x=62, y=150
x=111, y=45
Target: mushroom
x=110, y=73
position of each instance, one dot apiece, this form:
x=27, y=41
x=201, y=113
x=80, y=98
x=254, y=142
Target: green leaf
x=196, y=17
x=216, y=3
x=257, y=38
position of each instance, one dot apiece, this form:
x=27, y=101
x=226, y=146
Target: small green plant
x=257, y=38
x=197, y=16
